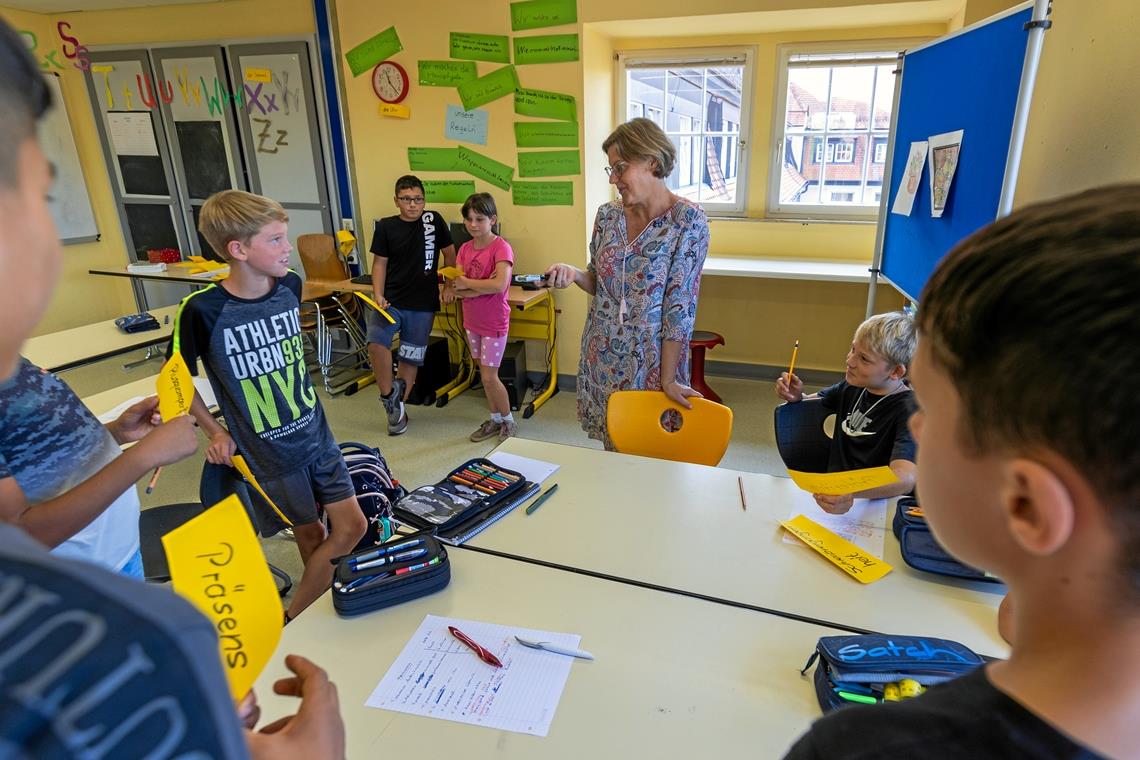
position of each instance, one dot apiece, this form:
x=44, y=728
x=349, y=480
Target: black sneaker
x=394, y=407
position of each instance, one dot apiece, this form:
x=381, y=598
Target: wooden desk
x=680, y=526
x=67, y=349
x=674, y=677
x=176, y=275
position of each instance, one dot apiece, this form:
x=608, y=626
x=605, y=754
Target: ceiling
x=67, y=6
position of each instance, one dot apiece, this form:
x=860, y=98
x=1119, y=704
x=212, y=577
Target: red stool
x=701, y=340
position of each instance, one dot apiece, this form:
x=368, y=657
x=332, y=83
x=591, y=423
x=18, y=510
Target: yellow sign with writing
x=396, y=110
x=451, y=272
x=374, y=305
x=242, y=467
x=863, y=567
x=838, y=483
x=216, y=563
x=175, y=388
x=259, y=75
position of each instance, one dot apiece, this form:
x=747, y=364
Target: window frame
x=825, y=211
x=624, y=60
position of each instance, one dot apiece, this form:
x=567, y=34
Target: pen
x=538, y=502
x=743, y=501
x=482, y=653
x=861, y=698
x=153, y=479
x=548, y=647
x=420, y=566
x=380, y=552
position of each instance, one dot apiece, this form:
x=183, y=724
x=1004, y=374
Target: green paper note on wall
x=370, y=52
x=478, y=165
x=448, y=190
x=495, y=48
x=446, y=73
x=549, y=163
x=547, y=48
x=536, y=14
x=542, y=193
x=546, y=134
x=546, y=105
x=493, y=86
x=433, y=159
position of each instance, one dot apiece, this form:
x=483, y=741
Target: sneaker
x=394, y=407
x=507, y=429
x=488, y=429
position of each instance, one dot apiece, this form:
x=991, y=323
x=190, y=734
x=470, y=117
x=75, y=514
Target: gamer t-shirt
x=50, y=443
x=255, y=360
x=412, y=250
x=94, y=664
x=965, y=718
x=878, y=438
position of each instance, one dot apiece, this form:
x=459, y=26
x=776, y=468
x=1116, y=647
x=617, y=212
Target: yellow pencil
x=792, y=366
x=153, y=479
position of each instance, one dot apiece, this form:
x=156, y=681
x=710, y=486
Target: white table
x=674, y=677
x=105, y=401
x=67, y=349
x=680, y=527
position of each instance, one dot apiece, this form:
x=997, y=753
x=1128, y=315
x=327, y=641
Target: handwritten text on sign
x=848, y=557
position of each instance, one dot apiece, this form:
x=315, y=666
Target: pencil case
x=476, y=486
x=134, y=323
x=382, y=576
x=922, y=551
x=877, y=668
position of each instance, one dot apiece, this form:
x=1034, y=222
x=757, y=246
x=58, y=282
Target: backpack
x=376, y=490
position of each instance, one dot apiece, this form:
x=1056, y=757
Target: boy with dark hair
x=92, y=663
x=406, y=250
x=247, y=332
x=1025, y=375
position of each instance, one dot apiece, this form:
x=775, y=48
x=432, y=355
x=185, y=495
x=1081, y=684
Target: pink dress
x=489, y=314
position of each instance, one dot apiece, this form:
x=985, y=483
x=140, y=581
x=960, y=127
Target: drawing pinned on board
x=912, y=176
x=466, y=126
x=944, y=152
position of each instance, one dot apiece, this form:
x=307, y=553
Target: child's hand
x=136, y=421
x=834, y=505
x=221, y=448
x=170, y=441
x=790, y=388
x=461, y=283
x=316, y=731
x=448, y=294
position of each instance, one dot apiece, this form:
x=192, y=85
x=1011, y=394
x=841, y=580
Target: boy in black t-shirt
x=406, y=250
x=872, y=405
x=247, y=332
x=1025, y=378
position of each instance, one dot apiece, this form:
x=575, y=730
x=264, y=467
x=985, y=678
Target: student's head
x=881, y=351
x=1026, y=374
x=410, y=197
x=479, y=214
x=30, y=250
x=247, y=228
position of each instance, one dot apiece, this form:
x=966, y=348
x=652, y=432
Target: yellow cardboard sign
x=838, y=483
x=451, y=272
x=259, y=75
x=243, y=468
x=397, y=110
x=346, y=241
x=368, y=300
x=863, y=567
x=98, y=68
x=175, y=388
x=216, y=563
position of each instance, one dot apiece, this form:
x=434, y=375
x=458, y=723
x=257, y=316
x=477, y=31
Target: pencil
x=743, y=501
x=792, y=366
x=153, y=479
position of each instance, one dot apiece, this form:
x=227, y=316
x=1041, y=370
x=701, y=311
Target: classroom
x=294, y=99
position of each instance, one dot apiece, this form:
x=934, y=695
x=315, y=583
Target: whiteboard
x=70, y=204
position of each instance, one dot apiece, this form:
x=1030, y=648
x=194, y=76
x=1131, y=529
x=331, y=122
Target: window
x=701, y=99
x=830, y=136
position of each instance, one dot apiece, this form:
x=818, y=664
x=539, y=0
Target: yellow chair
x=633, y=419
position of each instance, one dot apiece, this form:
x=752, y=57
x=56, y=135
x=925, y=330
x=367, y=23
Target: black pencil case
x=381, y=576
x=864, y=665
x=442, y=506
x=134, y=323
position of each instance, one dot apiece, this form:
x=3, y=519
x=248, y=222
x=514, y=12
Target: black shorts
x=325, y=480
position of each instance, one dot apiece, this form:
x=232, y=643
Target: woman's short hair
x=641, y=138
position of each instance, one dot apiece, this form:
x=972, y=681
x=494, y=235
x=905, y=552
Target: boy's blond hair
x=236, y=215
x=891, y=336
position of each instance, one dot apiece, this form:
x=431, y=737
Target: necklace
x=857, y=421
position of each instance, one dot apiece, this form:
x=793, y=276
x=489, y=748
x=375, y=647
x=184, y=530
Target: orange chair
x=634, y=421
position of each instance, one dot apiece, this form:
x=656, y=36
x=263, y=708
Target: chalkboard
x=151, y=226
x=204, y=158
x=70, y=206
x=143, y=175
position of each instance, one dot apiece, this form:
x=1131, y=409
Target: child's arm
x=903, y=469
x=792, y=392
x=465, y=287
x=379, y=275
x=448, y=253
x=222, y=446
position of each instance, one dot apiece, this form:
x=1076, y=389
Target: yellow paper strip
x=396, y=110
x=450, y=272
x=850, y=481
x=374, y=305
x=863, y=567
x=243, y=468
x=259, y=75
x=175, y=388
x=102, y=68
x=216, y=563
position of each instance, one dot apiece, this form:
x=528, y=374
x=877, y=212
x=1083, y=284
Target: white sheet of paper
x=911, y=178
x=945, y=150
x=437, y=676
x=201, y=384
x=132, y=134
x=864, y=525
x=534, y=470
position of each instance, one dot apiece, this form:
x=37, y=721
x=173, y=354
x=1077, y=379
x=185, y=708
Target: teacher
x=646, y=254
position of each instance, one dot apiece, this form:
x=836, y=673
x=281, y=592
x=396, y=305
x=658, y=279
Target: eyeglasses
x=411, y=201
x=617, y=169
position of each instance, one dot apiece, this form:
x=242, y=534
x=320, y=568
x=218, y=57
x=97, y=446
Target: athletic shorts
x=414, y=328
x=487, y=350
x=324, y=481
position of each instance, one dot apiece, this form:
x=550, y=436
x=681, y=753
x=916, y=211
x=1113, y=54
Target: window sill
x=788, y=269
x=791, y=220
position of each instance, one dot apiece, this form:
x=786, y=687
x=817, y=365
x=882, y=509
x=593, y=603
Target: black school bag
x=376, y=490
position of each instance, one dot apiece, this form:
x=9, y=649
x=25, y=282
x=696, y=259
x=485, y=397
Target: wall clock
x=390, y=81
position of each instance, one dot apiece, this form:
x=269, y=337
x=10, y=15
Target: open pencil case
x=475, y=487
x=399, y=571
x=922, y=551
x=868, y=668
